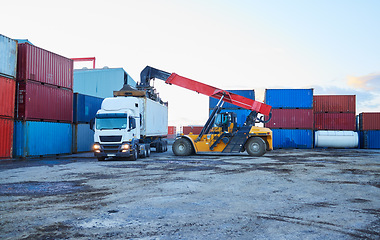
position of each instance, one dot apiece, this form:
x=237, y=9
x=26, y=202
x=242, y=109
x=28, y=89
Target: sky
x=332, y=46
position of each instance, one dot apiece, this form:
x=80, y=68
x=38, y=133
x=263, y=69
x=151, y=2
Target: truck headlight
x=96, y=147
x=125, y=146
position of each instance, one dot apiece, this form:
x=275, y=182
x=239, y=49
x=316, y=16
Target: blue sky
x=331, y=46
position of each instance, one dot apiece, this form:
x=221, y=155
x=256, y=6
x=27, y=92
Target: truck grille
x=110, y=148
x=110, y=138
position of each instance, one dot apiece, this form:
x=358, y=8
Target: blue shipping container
x=370, y=139
x=8, y=57
x=101, y=82
x=292, y=138
x=245, y=93
x=289, y=98
x=85, y=107
x=241, y=115
x=41, y=138
x=83, y=138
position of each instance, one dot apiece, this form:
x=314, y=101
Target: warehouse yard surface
x=287, y=194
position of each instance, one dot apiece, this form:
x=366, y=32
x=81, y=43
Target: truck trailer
x=130, y=123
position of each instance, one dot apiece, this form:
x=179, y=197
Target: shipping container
x=292, y=138
x=6, y=137
x=291, y=119
x=101, y=82
x=83, y=137
x=42, y=138
x=370, y=139
x=36, y=101
x=334, y=121
x=85, y=107
x=334, y=103
x=245, y=93
x=369, y=121
x=7, y=97
x=289, y=98
x=37, y=64
x=241, y=115
x=191, y=129
x=336, y=139
x=8, y=57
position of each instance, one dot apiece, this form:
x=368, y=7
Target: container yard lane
x=287, y=194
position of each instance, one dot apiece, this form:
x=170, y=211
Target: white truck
x=128, y=125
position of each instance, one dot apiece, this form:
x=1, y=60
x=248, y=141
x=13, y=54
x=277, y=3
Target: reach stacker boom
x=220, y=133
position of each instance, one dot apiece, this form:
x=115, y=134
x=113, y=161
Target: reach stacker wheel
x=182, y=147
x=255, y=146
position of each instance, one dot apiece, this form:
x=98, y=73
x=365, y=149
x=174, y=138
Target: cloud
x=370, y=82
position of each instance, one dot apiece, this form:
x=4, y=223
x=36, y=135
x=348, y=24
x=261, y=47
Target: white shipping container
x=8, y=57
x=154, y=118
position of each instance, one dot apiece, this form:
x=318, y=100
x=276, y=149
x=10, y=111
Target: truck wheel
x=182, y=147
x=101, y=158
x=147, y=148
x=134, y=155
x=255, y=146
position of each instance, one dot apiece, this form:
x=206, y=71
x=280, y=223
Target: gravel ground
x=287, y=194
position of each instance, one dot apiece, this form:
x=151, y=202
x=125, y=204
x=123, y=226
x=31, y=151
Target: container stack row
x=8, y=63
x=44, y=103
x=292, y=117
x=241, y=113
x=91, y=86
x=369, y=130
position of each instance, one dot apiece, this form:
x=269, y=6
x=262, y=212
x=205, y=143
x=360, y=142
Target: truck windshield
x=111, y=123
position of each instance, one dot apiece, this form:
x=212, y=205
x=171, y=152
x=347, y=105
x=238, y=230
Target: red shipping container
x=334, y=103
x=192, y=129
x=6, y=137
x=7, y=97
x=334, y=121
x=291, y=119
x=36, y=101
x=172, y=130
x=37, y=64
x=369, y=121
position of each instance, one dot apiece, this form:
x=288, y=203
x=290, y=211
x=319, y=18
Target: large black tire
x=182, y=147
x=135, y=155
x=255, y=147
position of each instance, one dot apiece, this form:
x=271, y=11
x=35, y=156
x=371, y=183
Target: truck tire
x=135, y=155
x=147, y=148
x=255, y=146
x=101, y=158
x=182, y=147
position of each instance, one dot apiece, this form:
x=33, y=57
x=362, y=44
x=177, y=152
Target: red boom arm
x=218, y=93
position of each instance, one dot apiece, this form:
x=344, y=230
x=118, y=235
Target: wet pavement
x=286, y=194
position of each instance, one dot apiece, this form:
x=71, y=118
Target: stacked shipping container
x=85, y=108
x=369, y=126
x=334, y=112
x=292, y=117
x=8, y=60
x=44, y=101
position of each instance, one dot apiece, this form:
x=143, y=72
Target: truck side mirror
x=92, y=122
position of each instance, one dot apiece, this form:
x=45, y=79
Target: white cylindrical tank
x=336, y=139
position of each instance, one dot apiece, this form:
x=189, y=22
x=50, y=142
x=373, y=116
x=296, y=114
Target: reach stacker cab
x=220, y=134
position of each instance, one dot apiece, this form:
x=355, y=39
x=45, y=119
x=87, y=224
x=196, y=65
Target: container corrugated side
x=154, y=118
x=8, y=57
x=37, y=64
x=7, y=97
x=369, y=121
x=370, y=139
x=241, y=115
x=85, y=107
x=334, y=103
x=83, y=137
x=6, y=137
x=191, y=129
x=334, y=121
x=42, y=138
x=245, y=93
x=291, y=119
x=292, y=138
x=289, y=98
x=43, y=102
x=101, y=82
